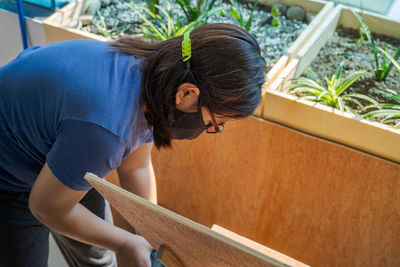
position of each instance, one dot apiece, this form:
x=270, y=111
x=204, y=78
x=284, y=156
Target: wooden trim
x=258, y=247
x=320, y=7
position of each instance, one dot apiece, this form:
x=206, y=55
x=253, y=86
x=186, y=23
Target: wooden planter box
x=320, y=120
x=57, y=29
x=315, y=201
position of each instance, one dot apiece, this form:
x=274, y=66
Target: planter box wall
x=320, y=120
x=57, y=26
x=318, y=202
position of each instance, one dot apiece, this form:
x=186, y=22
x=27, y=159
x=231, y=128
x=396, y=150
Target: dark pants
x=24, y=241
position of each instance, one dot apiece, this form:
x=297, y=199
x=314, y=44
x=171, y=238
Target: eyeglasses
x=215, y=127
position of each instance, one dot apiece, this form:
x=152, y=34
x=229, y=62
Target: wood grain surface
x=318, y=202
x=258, y=247
x=191, y=243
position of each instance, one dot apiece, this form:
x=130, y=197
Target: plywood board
x=191, y=243
x=318, y=202
x=260, y=248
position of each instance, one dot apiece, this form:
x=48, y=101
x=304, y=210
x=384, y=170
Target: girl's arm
x=57, y=206
x=136, y=173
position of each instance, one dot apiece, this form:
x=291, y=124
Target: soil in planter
x=274, y=41
x=343, y=40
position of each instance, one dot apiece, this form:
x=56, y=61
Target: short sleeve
x=149, y=136
x=82, y=147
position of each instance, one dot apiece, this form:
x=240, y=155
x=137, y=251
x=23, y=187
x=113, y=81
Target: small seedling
x=152, y=5
x=203, y=9
x=330, y=94
x=389, y=112
x=237, y=14
x=164, y=27
x=361, y=39
x=381, y=69
x=275, y=19
x=108, y=33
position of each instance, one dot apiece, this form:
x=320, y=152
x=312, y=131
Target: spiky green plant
x=392, y=59
x=381, y=68
x=152, y=5
x=163, y=27
x=275, y=17
x=390, y=113
x=237, y=14
x=108, y=33
x=331, y=93
x=193, y=12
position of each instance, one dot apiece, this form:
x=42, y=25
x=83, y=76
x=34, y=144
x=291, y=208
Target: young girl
x=87, y=106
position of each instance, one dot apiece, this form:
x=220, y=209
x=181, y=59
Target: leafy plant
x=389, y=112
x=105, y=31
x=152, y=5
x=275, y=19
x=237, y=14
x=193, y=13
x=164, y=27
x=361, y=39
x=393, y=60
x=383, y=69
x=330, y=94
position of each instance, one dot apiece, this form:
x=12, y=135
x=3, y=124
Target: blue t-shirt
x=76, y=105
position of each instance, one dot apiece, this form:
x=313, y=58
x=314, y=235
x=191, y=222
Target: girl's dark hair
x=226, y=64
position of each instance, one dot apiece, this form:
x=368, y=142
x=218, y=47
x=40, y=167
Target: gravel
x=274, y=41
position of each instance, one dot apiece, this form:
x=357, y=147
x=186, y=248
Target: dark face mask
x=187, y=125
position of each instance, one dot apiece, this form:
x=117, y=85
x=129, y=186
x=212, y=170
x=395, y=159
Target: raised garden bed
x=311, y=117
x=58, y=28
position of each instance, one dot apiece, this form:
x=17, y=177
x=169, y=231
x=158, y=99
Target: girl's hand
x=134, y=252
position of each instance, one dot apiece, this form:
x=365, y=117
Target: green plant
x=152, y=5
x=392, y=59
x=389, y=112
x=163, y=28
x=108, y=33
x=203, y=9
x=383, y=69
x=331, y=93
x=361, y=39
x=237, y=14
x=275, y=19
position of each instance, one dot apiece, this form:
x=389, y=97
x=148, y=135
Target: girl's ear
x=186, y=97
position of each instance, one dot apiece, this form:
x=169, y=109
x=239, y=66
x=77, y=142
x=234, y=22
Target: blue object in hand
x=154, y=261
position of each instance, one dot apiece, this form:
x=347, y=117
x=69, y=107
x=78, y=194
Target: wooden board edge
x=95, y=180
x=258, y=247
x=310, y=50
x=54, y=33
x=323, y=10
x=329, y=123
x=377, y=23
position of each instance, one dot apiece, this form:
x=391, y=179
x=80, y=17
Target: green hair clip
x=186, y=47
